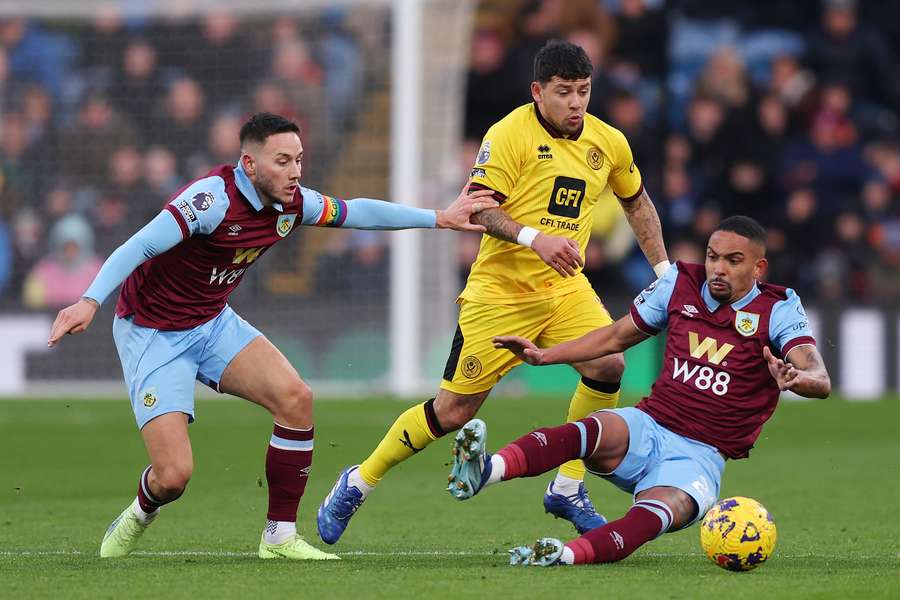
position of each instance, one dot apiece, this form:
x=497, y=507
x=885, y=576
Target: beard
x=266, y=189
x=723, y=296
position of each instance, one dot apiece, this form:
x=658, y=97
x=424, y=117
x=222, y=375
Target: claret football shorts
x=476, y=366
x=160, y=367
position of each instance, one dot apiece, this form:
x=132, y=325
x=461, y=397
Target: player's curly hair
x=744, y=226
x=262, y=125
x=562, y=59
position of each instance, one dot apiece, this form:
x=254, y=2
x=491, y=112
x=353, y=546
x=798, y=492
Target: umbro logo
x=689, y=310
x=617, y=539
x=234, y=229
x=544, y=152
x=304, y=472
x=540, y=437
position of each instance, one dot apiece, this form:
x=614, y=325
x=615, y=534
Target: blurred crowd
x=101, y=121
x=787, y=112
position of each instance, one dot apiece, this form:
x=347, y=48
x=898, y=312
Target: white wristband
x=661, y=267
x=526, y=236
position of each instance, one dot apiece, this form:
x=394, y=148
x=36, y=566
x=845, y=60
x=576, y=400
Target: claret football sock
x=411, y=432
x=547, y=448
x=646, y=520
x=590, y=396
x=288, y=461
x=147, y=506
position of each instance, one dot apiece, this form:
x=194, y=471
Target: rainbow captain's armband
x=334, y=212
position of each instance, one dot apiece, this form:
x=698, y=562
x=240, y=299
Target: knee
x=610, y=368
x=454, y=415
x=295, y=402
x=173, y=478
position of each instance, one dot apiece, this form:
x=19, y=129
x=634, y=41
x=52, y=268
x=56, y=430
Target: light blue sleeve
x=362, y=213
x=652, y=304
x=201, y=207
x=157, y=236
x=788, y=321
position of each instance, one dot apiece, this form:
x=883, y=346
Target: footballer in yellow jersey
x=549, y=164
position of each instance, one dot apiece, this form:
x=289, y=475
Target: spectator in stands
x=36, y=55
x=160, y=174
x=828, y=161
x=843, y=49
x=641, y=39
x=625, y=112
x=224, y=144
x=97, y=132
x=181, y=121
x=492, y=89
x=747, y=190
x=102, y=45
x=15, y=174
x=139, y=85
x=679, y=203
x=223, y=58
x=709, y=146
x=725, y=80
x=59, y=279
x=295, y=70
x=794, y=86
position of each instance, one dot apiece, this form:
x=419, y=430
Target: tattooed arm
x=644, y=222
x=804, y=372
x=559, y=252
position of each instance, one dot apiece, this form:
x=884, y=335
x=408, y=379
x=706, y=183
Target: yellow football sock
x=584, y=401
x=410, y=433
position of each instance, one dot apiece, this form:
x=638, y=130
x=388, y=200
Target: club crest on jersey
x=484, y=154
x=284, y=224
x=746, y=323
x=203, y=200
x=595, y=158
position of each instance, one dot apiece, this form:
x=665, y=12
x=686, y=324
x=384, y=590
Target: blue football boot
x=545, y=552
x=471, y=465
x=339, y=505
x=576, y=508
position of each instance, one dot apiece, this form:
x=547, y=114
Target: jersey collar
x=712, y=304
x=243, y=183
x=553, y=131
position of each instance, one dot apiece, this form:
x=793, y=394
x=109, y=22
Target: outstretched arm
x=644, y=221
x=601, y=342
x=366, y=213
x=804, y=372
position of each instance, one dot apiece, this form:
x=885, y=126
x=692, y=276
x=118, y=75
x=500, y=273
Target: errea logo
x=544, y=152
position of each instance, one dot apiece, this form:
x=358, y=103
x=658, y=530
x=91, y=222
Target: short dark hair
x=744, y=226
x=261, y=125
x=563, y=59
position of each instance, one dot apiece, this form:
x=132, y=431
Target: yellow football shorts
x=474, y=365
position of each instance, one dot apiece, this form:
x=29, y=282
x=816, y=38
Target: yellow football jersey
x=551, y=183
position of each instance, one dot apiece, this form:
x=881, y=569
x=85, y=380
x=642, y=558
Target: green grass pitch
x=829, y=472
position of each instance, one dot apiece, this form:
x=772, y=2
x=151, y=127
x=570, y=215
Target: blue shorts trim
x=160, y=367
x=659, y=457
